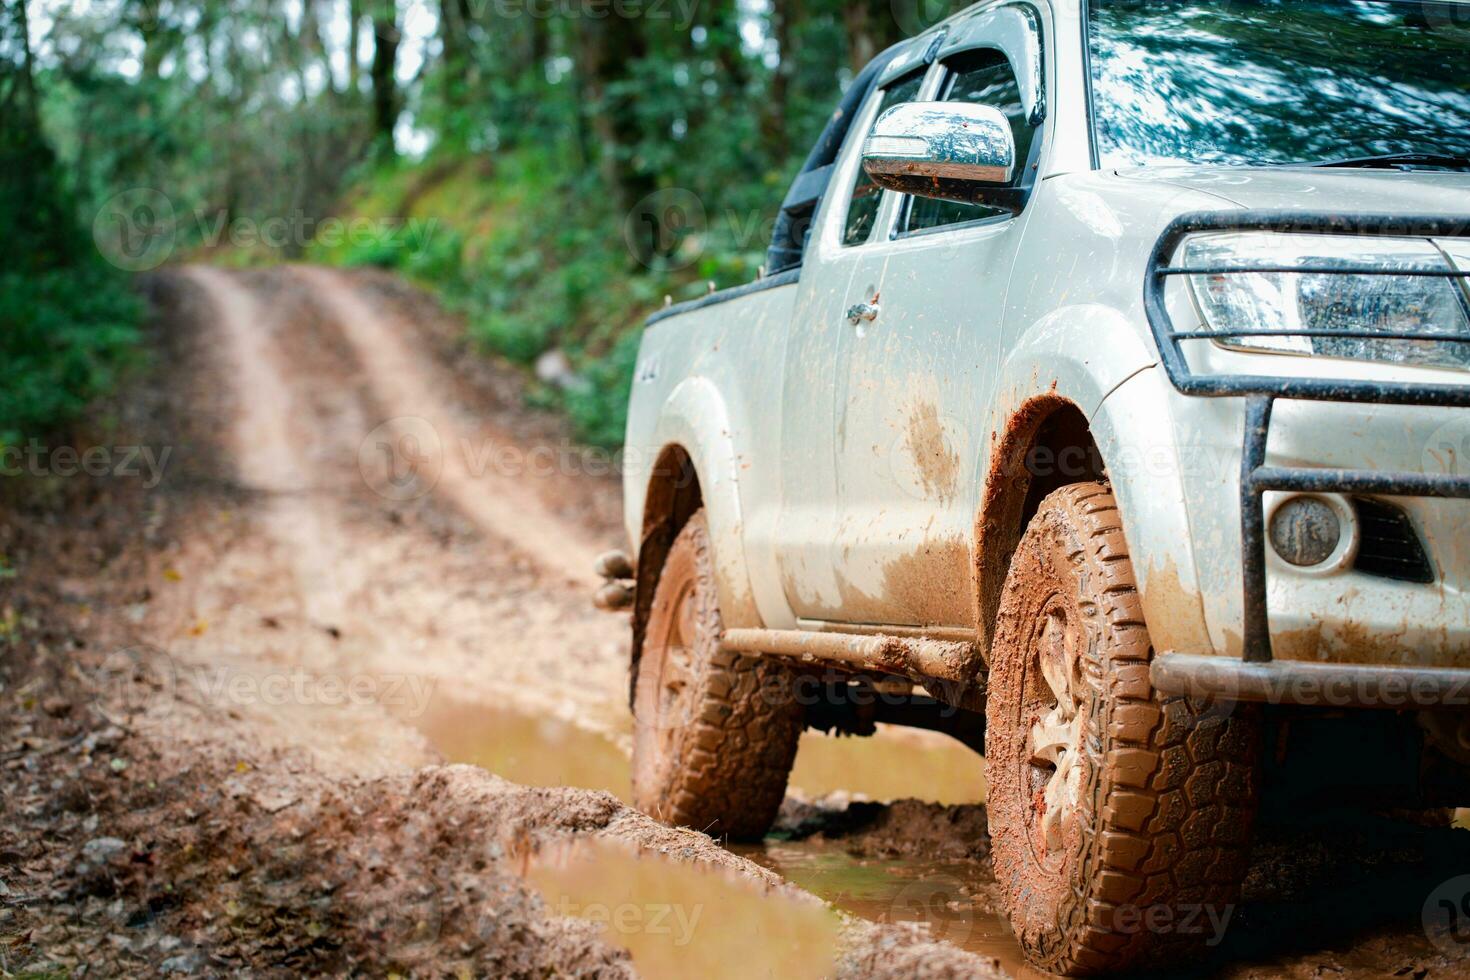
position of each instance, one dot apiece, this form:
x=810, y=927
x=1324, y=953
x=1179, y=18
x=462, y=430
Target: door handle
x=858, y=312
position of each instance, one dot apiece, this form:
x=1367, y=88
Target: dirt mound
x=143, y=865
x=145, y=847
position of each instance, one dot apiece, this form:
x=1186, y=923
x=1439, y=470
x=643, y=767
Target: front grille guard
x=1261, y=391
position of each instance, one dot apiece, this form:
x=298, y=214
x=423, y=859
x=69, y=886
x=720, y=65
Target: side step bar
x=916, y=657
x=1310, y=682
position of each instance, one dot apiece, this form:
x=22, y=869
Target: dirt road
x=222, y=683
x=235, y=692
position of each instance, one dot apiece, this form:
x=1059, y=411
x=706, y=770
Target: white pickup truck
x=1103, y=404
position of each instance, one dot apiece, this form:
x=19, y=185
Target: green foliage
x=600, y=412
x=69, y=332
x=537, y=134
x=70, y=325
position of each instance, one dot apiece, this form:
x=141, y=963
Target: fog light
x=1305, y=530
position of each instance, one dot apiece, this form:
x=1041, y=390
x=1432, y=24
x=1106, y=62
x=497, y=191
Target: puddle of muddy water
x=544, y=751
x=894, y=764
x=679, y=920
x=948, y=896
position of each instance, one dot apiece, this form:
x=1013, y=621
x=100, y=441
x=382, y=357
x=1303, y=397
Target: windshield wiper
x=1403, y=161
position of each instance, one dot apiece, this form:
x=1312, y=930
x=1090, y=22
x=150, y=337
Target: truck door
x=916, y=378
x=842, y=269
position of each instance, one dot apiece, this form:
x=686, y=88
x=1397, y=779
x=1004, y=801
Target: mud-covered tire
x=715, y=732
x=1141, y=861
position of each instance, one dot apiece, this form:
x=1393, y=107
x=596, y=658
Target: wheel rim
x=1053, y=760
x=675, y=688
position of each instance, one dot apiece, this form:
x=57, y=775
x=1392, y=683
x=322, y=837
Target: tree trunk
x=860, y=46
x=871, y=26
x=609, y=48
x=386, y=102
x=453, y=27
x=354, y=40
x=785, y=16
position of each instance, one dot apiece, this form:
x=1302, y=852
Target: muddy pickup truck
x=1103, y=404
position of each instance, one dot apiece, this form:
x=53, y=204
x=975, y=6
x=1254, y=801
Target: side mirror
x=950, y=150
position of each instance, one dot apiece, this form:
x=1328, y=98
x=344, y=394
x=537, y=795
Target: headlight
x=1360, y=305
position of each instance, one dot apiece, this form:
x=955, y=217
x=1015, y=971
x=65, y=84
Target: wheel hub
x=676, y=672
x=1055, y=740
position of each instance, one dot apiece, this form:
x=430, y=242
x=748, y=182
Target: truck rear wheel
x=1120, y=819
x=715, y=732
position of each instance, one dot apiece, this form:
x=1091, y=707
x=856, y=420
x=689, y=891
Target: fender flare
x=696, y=418
x=1078, y=356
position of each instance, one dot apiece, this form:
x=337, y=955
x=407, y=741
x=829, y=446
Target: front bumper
x=1257, y=674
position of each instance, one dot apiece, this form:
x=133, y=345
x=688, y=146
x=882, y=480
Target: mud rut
x=388, y=540
x=397, y=541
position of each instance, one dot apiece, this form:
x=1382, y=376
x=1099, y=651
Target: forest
x=549, y=169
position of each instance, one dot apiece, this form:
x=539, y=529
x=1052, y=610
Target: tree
x=387, y=103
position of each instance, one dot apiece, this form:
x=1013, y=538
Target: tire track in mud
x=265, y=445
x=404, y=385
x=386, y=588
x=423, y=589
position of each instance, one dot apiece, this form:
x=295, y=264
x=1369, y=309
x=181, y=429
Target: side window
x=984, y=77
x=862, y=209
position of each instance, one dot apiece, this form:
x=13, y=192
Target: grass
x=533, y=261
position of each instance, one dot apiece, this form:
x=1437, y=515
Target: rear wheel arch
x=672, y=497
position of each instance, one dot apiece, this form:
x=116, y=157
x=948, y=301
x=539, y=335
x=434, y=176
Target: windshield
x=1278, y=81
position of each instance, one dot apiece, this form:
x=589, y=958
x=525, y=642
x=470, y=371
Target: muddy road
x=329, y=694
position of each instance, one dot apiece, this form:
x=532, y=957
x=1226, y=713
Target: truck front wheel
x=715, y=732
x=1120, y=819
